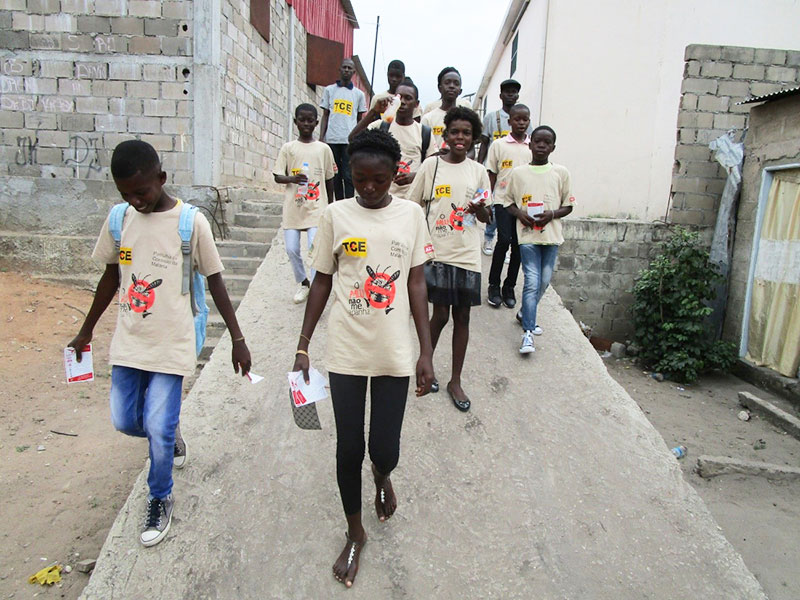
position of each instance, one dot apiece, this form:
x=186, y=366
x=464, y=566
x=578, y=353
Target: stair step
x=245, y=265
x=255, y=207
x=252, y=234
x=244, y=219
x=235, y=283
x=242, y=249
x=215, y=327
x=236, y=300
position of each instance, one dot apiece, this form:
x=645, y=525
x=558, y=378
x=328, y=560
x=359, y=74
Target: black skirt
x=451, y=285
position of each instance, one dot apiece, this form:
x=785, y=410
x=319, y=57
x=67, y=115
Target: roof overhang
x=351, y=13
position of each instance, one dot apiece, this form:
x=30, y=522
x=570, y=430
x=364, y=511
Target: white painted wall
x=612, y=85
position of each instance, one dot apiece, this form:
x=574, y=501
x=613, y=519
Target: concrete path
x=554, y=485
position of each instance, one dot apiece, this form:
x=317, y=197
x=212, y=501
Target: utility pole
x=374, y=55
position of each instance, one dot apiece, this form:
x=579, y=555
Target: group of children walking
x=404, y=235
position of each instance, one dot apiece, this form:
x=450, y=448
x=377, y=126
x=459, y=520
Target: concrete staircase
x=255, y=223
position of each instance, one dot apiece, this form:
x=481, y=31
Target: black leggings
x=387, y=405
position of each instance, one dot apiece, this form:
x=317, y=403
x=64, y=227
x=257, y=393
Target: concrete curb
x=777, y=416
x=713, y=466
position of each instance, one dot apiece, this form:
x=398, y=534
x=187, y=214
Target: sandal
x=384, y=495
x=463, y=406
x=353, y=550
x=434, y=386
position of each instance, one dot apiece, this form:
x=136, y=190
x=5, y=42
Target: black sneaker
x=494, y=298
x=509, y=300
x=157, y=520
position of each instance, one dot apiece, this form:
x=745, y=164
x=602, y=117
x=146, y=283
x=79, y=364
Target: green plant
x=670, y=308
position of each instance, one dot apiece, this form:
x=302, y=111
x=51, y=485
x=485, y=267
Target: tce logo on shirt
x=500, y=134
x=125, y=256
x=506, y=164
x=355, y=247
x=344, y=107
x=438, y=131
x=525, y=199
x=297, y=171
x=442, y=191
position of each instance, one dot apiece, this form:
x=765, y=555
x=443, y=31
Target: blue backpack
x=192, y=281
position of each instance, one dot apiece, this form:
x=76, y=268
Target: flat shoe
x=462, y=406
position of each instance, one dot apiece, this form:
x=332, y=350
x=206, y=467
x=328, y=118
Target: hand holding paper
x=307, y=393
x=79, y=371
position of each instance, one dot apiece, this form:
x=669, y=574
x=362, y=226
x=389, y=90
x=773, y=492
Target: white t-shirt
x=504, y=155
x=372, y=252
x=438, y=103
x=155, y=326
x=410, y=139
x=303, y=211
x=444, y=191
x=435, y=120
x=547, y=184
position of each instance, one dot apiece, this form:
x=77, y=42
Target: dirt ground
x=60, y=500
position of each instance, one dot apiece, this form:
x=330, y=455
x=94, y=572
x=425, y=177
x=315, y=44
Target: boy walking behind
x=505, y=154
x=153, y=347
x=395, y=74
x=541, y=197
x=343, y=105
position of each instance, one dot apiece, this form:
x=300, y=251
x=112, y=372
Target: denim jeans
x=146, y=404
x=488, y=233
x=506, y=238
x=292, y=239
x=342, y=181
x=538, y=262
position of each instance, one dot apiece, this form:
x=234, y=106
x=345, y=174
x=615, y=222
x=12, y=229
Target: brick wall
x=597, y=265
x=715, y=78
x=79, y=76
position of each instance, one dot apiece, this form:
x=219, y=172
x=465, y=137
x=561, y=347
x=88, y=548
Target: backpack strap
x=426, y=140
x=185, y=228
x=384, y=126
x=499, y=128
x=115, y=219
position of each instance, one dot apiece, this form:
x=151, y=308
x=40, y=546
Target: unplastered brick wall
x=597, y=267
x=79, y=76
x=255, y=103
x=715, y=79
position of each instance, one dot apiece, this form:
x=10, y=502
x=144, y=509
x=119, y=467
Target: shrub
x=670, y=309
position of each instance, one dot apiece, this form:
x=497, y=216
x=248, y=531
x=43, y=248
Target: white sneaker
x=488, y=247
x=301, y=294
x=537, y=330
x=507, y=259
x=527, y=343
x=179, y=457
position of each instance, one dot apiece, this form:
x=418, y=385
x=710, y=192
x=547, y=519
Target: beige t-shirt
x=395, y=104
x=155, y=326
x=435, y=120
x=372, y=251
x=303, y=211
x=548, y=184
x=438, y=103
x=454, y=187
x=505, y=154
x=410, y=139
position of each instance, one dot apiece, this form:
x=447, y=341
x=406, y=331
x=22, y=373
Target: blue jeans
x=146, y=404
x=488, y=233
x=538, y=262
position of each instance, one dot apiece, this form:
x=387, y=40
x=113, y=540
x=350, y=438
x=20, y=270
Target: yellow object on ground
x=47, y=576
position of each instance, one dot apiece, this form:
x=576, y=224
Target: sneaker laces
x=153, y=518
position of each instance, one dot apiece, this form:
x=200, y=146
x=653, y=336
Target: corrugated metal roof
x=773, y=96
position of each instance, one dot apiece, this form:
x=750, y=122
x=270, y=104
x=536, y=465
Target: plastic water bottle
x=679, y=451
x=302, y=188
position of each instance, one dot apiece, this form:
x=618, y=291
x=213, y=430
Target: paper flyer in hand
x=79, y=371
x=307, y=393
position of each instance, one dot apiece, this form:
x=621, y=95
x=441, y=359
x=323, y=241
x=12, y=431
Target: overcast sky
x=428, y=35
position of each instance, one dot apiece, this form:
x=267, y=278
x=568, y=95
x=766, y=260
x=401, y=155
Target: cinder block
x=784, y=74
x=748, y=72
x=91, y=105
x=63, y=22
x=12, y=119
x=176, y=125
x=706, y=136
x=686, y=217
x=78, y=7
x=110, y=123
x=687, y=135
x=176, y=10
x=48, y=156
x=39, y=85
x=176, y=46
x=15, y=40
x=185, y=108
x=689, y=102
x=737, y=54
x=74, y=42
x=159, y=72
x=125, y=106
x=74, y=87
x=687, y=184
x=734, y=88
x=182, y=177
x=13, y=5
x=89, y=24
x=144, y=45
x=144, y=8
x=40, y=121
x=77, y=122
x=704, y=169
x=793, y=58
x=91, y=70
x=159, y=108
x=127, y=71
x=144, y=125
x=162, y=143
x=108, y=89
x=702, y=52
x=691, y=68
x=28, y=22
x=110, y=8
x=767, y=56
x=174, y=91
x=700, y=202
x=177, y=161
x=711, y=103
x=165, y=27
x=762, y=88
x=729, y=121
x=127, y=25
x=56, y=139
x=108, y=44
x=44, y=7
x=716, y=69
x=699, y=86
x=143, y=89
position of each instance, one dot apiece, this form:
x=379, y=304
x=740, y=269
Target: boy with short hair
x=395, y=74
x=342, y=105
x=415, y=139
x=153, y=347
x=506, y=153
x=541, y=196
x=307, y=169
x=449, y=83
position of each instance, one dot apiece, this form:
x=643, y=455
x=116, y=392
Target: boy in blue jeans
x=541, y=196
x=153, y=347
